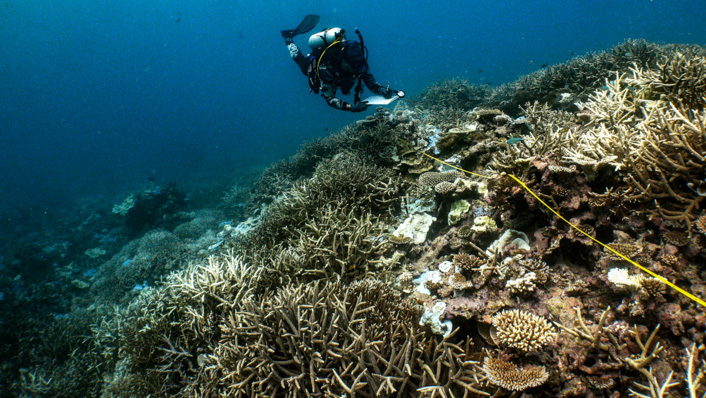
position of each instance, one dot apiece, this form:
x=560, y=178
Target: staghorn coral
x=655, y=142
x=679, y=76
x=550, y=131
x=351, y=242
x=330, y=224
x=578, y=76
x=449, y=100
x=670, y=167
x=513, y=378
x=151, y=347
x=612, y=341
x=701, y=224
x=522, y=330
x=332, y=339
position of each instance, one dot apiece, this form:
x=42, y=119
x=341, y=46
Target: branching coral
x=681, y=77
x=449, y=100
x=334, y=340
x=657, y=142
x=329, y=224
x=154, y=346
x=578, y=76
x=670, y=165
x=647, y=125
x=522, y=330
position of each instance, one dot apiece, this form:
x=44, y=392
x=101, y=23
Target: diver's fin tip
x=307, y=24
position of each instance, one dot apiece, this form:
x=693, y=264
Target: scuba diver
x=335, y=63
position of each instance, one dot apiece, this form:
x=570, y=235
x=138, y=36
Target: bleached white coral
x=421, y=282
x=522, y=284
x=621, y=277
x=415, y=227
x=432, y=317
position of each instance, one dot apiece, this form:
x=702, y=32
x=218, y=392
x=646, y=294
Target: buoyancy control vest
x=315, y=61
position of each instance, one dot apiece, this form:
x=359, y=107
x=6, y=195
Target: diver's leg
x=297, y=56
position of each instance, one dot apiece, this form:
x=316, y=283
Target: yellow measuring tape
x=662, y=279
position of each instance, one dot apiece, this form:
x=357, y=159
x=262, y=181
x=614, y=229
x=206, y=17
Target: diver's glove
x=359, y=107
x=389, y=93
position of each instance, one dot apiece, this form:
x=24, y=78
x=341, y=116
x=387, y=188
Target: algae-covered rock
x=458, y=211
x=415, y=227
x=95, y=252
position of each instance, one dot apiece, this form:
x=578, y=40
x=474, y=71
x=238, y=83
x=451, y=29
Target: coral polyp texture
x=511, y=377
x=433, y=179
x=366, y=265
x=522, y=330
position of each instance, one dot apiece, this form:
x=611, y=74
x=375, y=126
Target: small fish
x=514, y=140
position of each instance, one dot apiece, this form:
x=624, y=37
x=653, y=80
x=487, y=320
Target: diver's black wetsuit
x=333, y=76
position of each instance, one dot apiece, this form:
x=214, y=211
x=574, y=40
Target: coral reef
x=364, y=266
x=154, y=206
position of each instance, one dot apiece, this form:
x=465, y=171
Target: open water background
x=97, y=97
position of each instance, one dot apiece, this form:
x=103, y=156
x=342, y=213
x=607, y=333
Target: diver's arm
x=373, y=84
x=377, y=88
x=329, y=93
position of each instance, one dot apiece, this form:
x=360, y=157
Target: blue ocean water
x=97, y=97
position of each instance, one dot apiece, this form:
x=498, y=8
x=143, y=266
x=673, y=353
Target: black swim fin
x=306, y=25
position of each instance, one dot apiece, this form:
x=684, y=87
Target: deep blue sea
x=97, y=97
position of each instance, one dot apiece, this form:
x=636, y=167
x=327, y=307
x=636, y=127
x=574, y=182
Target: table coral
x=511, y=377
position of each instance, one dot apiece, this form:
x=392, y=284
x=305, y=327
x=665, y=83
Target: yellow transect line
x=662, y=279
